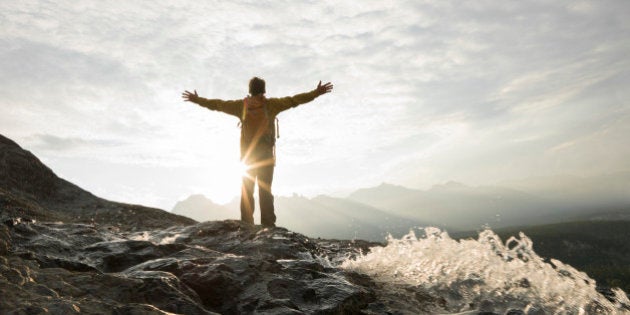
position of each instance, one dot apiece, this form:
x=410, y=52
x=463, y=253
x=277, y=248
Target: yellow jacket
x=254, y=151
x=274, y=105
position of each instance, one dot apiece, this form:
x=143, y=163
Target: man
x=258, y=134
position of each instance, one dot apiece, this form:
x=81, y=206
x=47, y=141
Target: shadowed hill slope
x=30, y=189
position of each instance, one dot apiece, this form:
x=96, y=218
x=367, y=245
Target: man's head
x=256, y=86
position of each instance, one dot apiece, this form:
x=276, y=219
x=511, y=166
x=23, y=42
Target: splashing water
x=485, y=274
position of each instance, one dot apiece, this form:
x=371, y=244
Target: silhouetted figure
x=258, y=139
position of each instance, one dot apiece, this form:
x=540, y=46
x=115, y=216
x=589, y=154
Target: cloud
x=53, y=143
x=424, y=91
x=49, y=81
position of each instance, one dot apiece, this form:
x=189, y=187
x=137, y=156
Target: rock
x=65, y=292
x=5, y=240
x=212, y=267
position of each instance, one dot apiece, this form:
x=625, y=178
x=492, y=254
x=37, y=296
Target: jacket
x=274, y=107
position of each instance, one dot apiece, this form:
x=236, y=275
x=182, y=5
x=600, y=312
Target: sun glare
x=241, y=169
x=224, y=181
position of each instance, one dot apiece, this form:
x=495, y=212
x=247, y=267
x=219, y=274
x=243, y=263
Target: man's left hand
x=323, y=89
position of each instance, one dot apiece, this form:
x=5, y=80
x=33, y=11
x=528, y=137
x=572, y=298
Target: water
x=482, y=275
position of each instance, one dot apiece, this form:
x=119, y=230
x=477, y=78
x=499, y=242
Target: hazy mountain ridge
x=322, y=216
x=456, y=206
x=200, y=208
x=453, y=206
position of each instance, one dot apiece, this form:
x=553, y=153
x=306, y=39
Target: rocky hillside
x=29, y=189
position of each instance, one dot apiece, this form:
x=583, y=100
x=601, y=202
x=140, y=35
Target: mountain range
x=322, y=216
x=372, y=213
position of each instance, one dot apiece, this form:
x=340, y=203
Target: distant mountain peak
x=389, y=187
x=450, y=185
x=198, y=198
x=386, y=184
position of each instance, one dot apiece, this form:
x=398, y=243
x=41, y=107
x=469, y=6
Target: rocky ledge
x=222, y=267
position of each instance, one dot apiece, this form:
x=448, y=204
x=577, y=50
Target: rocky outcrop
x=222, y=267
x=28, y=188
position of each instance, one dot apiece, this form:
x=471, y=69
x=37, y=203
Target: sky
x=425, y=92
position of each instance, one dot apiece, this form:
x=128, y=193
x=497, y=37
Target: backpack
x=257, y=126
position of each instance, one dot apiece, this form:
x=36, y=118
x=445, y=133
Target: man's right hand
x=190, y=97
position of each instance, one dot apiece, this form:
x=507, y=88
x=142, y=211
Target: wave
x=485, y=274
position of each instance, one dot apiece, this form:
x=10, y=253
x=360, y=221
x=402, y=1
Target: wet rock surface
x=224, y=267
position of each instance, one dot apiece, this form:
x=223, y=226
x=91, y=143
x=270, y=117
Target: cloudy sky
x=425, y=91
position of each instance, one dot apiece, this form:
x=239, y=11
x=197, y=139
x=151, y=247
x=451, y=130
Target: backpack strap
x=244, y=113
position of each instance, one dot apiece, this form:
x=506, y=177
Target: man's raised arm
x=234, y=107
x=281, y=104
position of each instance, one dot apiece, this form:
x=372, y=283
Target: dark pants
x=261, y=172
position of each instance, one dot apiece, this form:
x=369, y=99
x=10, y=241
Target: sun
x=223, y=181
x=241, y=169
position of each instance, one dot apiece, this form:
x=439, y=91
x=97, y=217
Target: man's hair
x=256, y=86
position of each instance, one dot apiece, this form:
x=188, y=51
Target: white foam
x=506, y=275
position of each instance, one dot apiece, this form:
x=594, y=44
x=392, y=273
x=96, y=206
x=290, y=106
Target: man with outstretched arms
x=258, y=138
